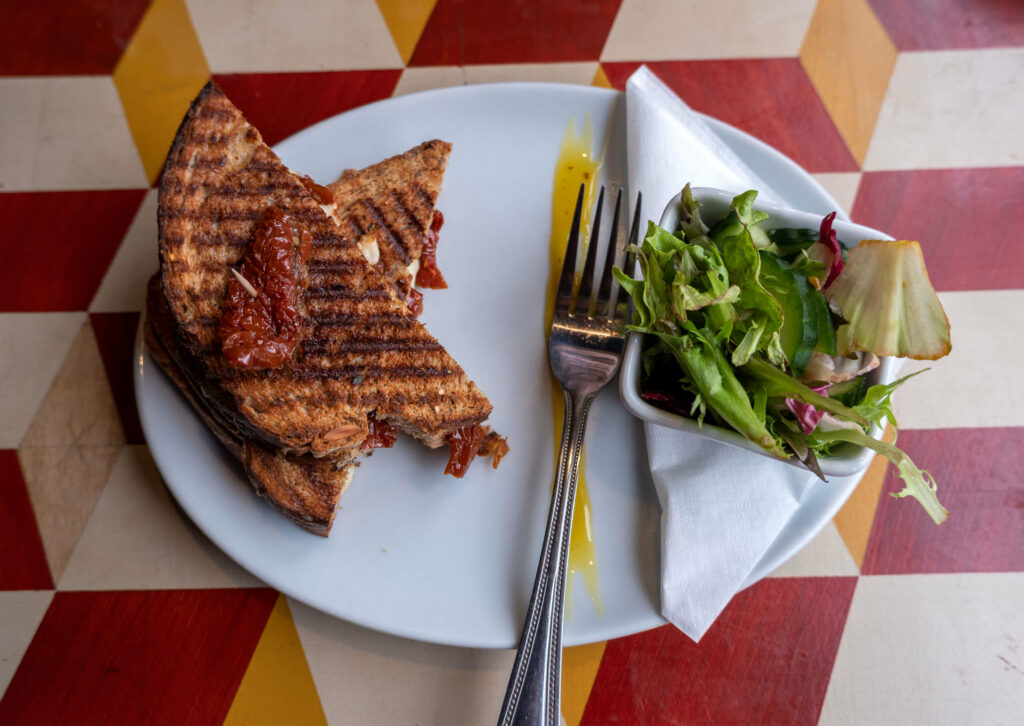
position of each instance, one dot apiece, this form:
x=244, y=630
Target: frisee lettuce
x=734, y=313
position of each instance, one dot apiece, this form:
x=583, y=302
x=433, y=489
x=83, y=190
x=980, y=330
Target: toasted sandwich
x=303, y=489
x=341, y=351
x=391, y=207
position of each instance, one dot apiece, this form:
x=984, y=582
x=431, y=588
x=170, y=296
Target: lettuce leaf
x=729, y=320
x=710, y=372
x=889, y=303
x=917, y=483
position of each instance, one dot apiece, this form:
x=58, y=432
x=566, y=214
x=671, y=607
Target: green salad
x=774, y=332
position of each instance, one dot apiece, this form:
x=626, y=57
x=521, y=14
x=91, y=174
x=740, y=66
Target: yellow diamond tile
x=159, y=74
x=406, y=20
x=579, y=669
x=277, y=687
x=850, y=59
x=855, y=518
x=601, y=79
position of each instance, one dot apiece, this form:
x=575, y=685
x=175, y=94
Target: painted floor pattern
x=115, y=608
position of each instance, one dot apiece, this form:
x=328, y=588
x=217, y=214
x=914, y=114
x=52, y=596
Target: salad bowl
x=847, y=458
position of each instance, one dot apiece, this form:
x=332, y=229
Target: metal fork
x=585, y=348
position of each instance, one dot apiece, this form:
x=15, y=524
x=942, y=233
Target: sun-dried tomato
x=382, y=434
x=495, y=445
x=321, y=193
x=429, y=275
x=414, y=301
x=261, y=323
x=463, y=445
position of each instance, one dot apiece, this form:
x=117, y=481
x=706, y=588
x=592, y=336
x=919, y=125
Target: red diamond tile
x=21, y=549
x=770, y=98
x=66, y=37
x=965, y=220
x=978, y=474
x=279, y=104
x=767, y=660
x=115, y=336
x=172, y=656
x=947, y=24
x=58, y=246
x=466, y=32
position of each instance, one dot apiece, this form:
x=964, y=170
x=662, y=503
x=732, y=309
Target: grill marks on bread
x=361, y=350
x=303, y=489
x=393, y=202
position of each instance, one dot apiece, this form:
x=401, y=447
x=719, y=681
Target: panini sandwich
x=295, y=349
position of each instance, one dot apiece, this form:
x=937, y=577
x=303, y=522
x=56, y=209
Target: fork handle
x=533, y=695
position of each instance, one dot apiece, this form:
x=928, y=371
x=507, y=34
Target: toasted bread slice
x=304, y=489
x=390, y=206
x=361, y=353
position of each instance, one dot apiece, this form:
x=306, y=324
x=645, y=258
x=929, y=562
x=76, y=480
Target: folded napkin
x=722, y=507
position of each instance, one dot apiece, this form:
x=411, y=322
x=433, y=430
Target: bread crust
x=304, y=490
x=362, y=352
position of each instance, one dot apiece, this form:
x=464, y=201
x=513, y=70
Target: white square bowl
x=848, y=459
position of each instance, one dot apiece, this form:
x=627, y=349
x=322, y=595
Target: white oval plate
x=415, y=553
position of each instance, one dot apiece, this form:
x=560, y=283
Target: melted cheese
x=368, y=246
x=413, y=268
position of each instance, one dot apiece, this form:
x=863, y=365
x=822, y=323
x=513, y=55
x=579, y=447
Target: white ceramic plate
x=415, y=553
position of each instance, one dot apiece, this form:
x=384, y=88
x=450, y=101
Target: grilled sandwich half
x=303, y=489
x=391, y=207
x=361, y=354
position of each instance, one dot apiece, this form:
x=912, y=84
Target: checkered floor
x=114, y=608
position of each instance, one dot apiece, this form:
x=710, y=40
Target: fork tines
x=601, y=304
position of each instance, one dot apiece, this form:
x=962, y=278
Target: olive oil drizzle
x=577, y=164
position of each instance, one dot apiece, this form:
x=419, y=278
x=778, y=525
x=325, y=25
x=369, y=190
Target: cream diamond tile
x=977, y=384
x=78, y=409
x=431, y=683
x=64, y=483
x=842, y=186
x=946, y=109
x=692, y=29
x=21, y=612
x=265, y=35
x=825, y=556
x=428, y=78
x=34, y=346
x=137, y=539
x=577, y=73
x=65, y=133
x=70, y=448
x=931, y=649
x=124, y=286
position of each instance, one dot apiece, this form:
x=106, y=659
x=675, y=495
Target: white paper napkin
x=721, y=507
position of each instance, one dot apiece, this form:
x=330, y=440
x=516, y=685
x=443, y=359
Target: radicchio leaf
x=805, y=413
x=827, y=236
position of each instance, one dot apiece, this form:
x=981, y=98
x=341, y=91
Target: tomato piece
x=429, y=275
x=495, y=445
x=414, y=301
x=463, y=446
x=382, y=434
x=261, y=322
x=322, y=194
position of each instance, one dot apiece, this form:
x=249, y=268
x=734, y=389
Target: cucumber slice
x=826, y=342
x=800, y=309
x=789, y=241
x=850, y=393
